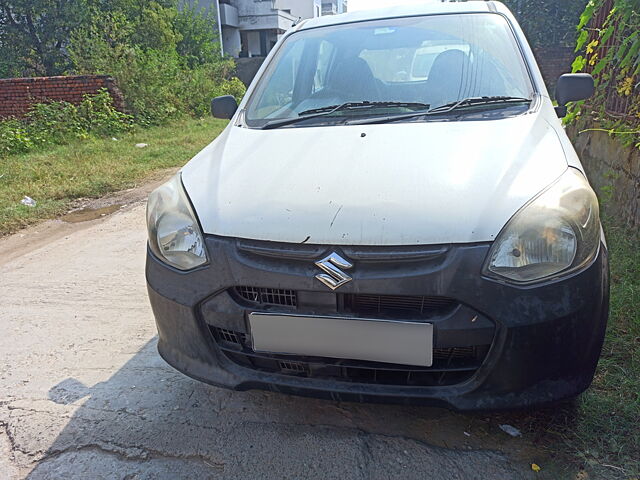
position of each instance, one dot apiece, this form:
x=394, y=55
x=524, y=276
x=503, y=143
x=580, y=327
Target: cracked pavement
x=84, y=394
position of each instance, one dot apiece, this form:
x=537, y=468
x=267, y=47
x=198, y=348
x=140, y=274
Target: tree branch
x=9, y=16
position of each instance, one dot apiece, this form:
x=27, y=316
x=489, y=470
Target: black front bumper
x=533, y=345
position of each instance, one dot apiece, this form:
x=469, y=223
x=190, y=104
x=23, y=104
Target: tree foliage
x=165, y=59
x=199, y=42
x=548, y=23
x=35, y=33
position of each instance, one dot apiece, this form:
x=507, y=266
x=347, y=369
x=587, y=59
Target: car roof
x=432, y=7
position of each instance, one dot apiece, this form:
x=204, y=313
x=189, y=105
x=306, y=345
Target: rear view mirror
x=224, y=107
x=572, y=87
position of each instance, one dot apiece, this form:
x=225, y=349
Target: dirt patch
x=84, y=213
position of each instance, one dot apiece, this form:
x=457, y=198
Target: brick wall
x=553, y=62
x=17, y=94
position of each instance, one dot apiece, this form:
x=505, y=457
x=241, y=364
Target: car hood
x=389, y=184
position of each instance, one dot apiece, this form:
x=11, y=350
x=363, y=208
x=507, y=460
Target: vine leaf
x=600, y=66
x=578, y=64
x=582, y=39
x=607, y=34
x=586, y=15
x=631, y=54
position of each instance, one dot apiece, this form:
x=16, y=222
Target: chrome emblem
x=333, y=276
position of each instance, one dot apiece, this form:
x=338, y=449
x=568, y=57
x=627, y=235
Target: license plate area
x=388, y=341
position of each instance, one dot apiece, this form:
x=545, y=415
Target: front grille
x=396, y=305
x=268, y=296
x=450, y=365
x=392, y=306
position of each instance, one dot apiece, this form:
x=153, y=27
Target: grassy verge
x=92, y=168
x=600, y=431
x=606, y=433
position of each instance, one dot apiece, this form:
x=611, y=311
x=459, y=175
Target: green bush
x=14, y=138
x=99, y=117
x=54, y=123
x=199, y=85
x=58, y=123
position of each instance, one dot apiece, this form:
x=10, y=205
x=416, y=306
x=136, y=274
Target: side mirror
x=224, y=107
x=572, y=87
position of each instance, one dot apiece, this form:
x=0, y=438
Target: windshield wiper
x=446, y=108
x=325, y=111
x=473, y=101
x=364, y=105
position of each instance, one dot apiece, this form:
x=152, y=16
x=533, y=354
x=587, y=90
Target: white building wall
x=246, y=18
x=231, y=41
x=253, y=43
x=334, y=7
x=300, y=8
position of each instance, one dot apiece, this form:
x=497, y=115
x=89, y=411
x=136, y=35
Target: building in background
x=334, y=7
x=250, y=28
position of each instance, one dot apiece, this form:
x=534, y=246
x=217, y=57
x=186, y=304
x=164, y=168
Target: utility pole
x=219, y=22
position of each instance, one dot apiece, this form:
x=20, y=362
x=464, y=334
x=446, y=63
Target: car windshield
x=403, y=63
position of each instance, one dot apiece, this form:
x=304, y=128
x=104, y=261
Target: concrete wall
x=261, y=16
x=301, y=8
x=334, y=7
x=18, y=94
x=231, y=41
x=614, y=171
x=229, y=15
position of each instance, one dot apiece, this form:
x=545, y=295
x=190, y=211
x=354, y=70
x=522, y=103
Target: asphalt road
x=84, y=394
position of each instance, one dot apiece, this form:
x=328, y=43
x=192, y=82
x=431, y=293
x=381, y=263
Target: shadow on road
x=149, y=421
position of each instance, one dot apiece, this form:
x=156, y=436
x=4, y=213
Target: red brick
x=17, y=94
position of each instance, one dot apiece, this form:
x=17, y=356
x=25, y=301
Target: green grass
x=600, y=431
x=93, y=168
x=607, y=428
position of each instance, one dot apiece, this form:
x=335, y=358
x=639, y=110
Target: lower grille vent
x=268, y=296
x=450, y=365
x=292, y=367
x=396, y=305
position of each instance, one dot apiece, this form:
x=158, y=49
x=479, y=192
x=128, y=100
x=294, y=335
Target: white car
x=370, y=229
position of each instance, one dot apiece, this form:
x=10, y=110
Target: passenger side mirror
x=224, y=107
x=572, y=87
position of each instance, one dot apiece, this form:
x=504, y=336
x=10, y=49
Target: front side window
x=424, y=61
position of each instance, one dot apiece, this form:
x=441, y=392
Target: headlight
x=174, y=234
x=556, y=233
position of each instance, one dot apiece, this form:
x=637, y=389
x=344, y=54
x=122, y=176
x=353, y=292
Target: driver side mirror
x=224, y=107
x=572, y=87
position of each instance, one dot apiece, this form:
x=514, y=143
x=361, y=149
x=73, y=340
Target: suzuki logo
x=333, y=276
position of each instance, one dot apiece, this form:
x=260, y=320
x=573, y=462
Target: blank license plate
x=405, y=343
